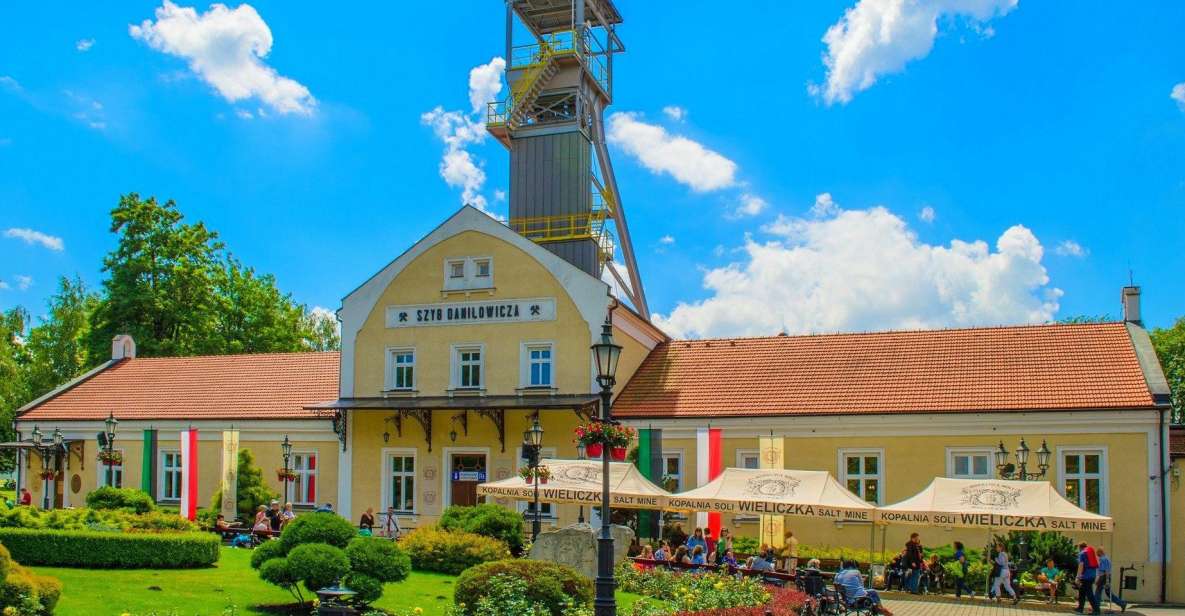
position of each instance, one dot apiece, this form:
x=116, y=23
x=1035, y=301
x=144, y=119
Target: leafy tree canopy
x=1170, y=348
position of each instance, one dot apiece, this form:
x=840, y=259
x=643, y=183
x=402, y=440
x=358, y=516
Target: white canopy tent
x=776, y=492
x=578, y=482
x=993, y=503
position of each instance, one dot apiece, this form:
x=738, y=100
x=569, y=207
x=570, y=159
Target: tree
x=251, y=490
x=1085, y=318
x=253, y=316
x=57, y=347
x=322, y=332
x=1170, y=349
x=14, y=390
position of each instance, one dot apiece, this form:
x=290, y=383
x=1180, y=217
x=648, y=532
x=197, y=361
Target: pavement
x=906, y=605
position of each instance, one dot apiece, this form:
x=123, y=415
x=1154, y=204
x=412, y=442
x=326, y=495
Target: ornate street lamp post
x=110, y=423
x=532, y=446
x=43, y=452
x=606, y=354
x=286, y=449
x=581, y=454
x=1020, y=471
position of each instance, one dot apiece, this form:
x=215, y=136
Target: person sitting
x=663, y=552
x=262, y=523
x=681, y=555
x=697, y=555
x=852, y=584
x=220, y=524
x=762, y=562
x=326, y=508
x=647, y=553
x=813, y=564
x=275, y=517
x=730, y=559
x=933, y=576
x=26, y=497
x=287, y=515
x=896, y=572
x=1047, y=580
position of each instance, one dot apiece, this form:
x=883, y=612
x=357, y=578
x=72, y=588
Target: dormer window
x=466, y=273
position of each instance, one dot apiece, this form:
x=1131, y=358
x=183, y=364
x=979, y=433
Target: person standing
x=913, y=562
x=1103, y=580
x=1088, y=565
x=961, y=581
x=791, y=552
x=366, y=522
x=391, y=524
x=1002, y=575
x=696, y=539
x=275, y=517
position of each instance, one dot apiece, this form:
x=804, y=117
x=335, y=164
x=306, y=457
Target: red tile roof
x=262, y=386
x=1038, y=367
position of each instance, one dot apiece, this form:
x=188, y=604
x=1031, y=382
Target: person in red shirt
x=26, y=497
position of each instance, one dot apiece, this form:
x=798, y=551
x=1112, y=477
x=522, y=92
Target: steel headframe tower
x=552, y=122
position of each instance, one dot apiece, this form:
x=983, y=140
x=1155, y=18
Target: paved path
x=909, y=606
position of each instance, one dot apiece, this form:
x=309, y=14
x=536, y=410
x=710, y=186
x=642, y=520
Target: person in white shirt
x=1003, y=576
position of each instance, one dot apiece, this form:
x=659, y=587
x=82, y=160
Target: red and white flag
x=709, y=464
x=189, y=473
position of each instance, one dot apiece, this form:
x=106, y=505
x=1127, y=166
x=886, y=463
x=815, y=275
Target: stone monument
x=576, y=546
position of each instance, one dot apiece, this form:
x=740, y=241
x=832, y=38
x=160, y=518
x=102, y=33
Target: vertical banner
x=771, y=451
x=650, y=465
x=189, y=473
x=229, y=484
x=709, y=464
x=148, y=464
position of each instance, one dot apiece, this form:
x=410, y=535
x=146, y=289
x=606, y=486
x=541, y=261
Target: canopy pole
x=871, y=551
x=987, y=587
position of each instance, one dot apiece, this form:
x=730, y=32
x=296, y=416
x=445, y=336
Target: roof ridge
x=932, y=330
x=236, y=355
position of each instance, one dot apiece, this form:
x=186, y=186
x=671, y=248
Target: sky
x=817, y=166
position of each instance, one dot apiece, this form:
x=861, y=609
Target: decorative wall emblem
x=578, y=474
x=771, y=486
x=429, y=498
x=429, y=472
x=772, y=457
x=991, y=496
x=502, y=473
x=75, y=484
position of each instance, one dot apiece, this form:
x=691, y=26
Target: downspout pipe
x=1164, y=512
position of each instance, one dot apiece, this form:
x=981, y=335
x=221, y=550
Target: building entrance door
x=468, y=470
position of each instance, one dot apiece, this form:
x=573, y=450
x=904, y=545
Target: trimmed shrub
x=122, y=520
x=277, y=571
x=108, y=497
x=549, y=584
x=267, y=551
x=318, y=565
x=432, y=549
x=105, y=550
x=25, y=591
x=318, y=528
x=250, y=488
x=488, y=520
x=368, y=588
x=379, y=559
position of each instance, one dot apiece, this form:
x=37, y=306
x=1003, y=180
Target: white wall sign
x=470, y=313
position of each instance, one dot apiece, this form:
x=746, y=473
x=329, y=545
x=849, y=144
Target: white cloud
x=226, y=48
x=243, y=114
x=675, y=112
x=750, y=205
x=1070, y=248
x=10, y=83
x=23, y=282
x=878, y=37
x=666, y=240
x=31, y=237
x=689, y=162
x=820, y=275
x=459, y=130
x=499, y=195
x=927, y=214
x=825, y=206
x=4, y=286
x=1178, y=94
x=84, y=45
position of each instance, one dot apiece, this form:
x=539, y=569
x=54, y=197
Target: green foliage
x=266, y=551
x=321, y=527
x=977, y=572
x=24, y=591
x=14, y=390
x=279, y=572
x=1170, y=349
x=489, y=520
x=378, y=558
x=452, y=552
x=369, y=589
x=108, y=550
x=58, y=345
x=318, y=565
x=131, y=499
x=250, y=489
x=748, y=545
x=690, y=593
x=121, y=520
x=551, y=585
x=1042, y=546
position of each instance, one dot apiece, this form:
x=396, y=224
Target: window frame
x=548, y=510
x=864, y=452
x=1104, y=474
x=679, y=484
x=301, y=477
x=456, y=368
x=741, y=454
x=469, y=279
x=953, y=452
x=387, y=475
x=450, y=269
x=525, y=363
x=489, y=262
x=101, y=471
x=392, y=371
x=163, y=472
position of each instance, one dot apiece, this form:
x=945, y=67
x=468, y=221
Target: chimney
x=123, y=347
x=1131, y=305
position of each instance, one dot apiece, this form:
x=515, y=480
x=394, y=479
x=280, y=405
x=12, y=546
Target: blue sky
x=1010, y=168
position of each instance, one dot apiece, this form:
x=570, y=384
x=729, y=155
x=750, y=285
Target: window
x=465, y=273
x=483, y=268
x=468, y=368
x=748, y=458
x=1084, y=474
x=537, y=368
x=401, y=481
x=546, y=510
x=456, y=269
x=303, y=491
x=402, y=365
x=862, y=472
x=105, y=474
x=672, y=471
x=970, y=463
x=170, y=475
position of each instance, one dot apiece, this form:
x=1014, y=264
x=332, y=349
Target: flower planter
x=594, y=450
x=618, y=453
x=543, y=481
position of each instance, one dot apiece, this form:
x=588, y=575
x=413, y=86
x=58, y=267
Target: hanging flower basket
x=111, y=458
x=529, y=475
x=594, y=450
x=284, y=474
x=49, y=475
x=601, y=433
x=617, y=454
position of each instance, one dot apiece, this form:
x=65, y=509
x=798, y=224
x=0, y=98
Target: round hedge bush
x=25, y=591
x=489, y=520
x=550, y=584
x=318, y=528
x=318, y=564
x=432, y=549
x=132, y=499
x=267, y=551
x=379, y=559
x=368, y=588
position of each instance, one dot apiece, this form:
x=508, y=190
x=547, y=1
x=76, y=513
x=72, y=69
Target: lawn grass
x=203, y=592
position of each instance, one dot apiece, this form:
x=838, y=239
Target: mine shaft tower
x=552, y=122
